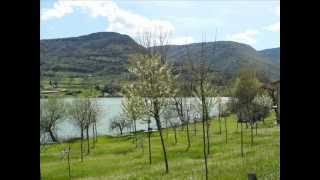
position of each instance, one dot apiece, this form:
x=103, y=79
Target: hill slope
x=102, y=53
x=227, y=57
x=105, y=54
x=273, y=54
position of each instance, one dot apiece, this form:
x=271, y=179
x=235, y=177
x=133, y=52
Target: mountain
x=273, y=54
x=106, y=54
x=102, y=53
x=227, y=57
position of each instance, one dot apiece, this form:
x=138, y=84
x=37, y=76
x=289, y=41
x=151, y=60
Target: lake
x=111, y=107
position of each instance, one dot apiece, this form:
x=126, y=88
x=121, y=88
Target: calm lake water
x=111, y=107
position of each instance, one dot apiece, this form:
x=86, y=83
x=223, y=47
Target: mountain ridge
x=106, y=54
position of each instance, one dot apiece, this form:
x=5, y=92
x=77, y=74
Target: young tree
x=174, y=125
x=225, y=112
x=246, y=88
x=196, y=118
x=168, y=114
x=183, y=112
x=149, y=137
x=78, y=111
x=52, y=110
x=219, y=113
x=133, y=108
x=262, y=104
x=94, y=112
x=153, y=79
x=119, y=122
x=203, y=90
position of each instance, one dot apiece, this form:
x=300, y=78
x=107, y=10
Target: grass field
x=118, y=158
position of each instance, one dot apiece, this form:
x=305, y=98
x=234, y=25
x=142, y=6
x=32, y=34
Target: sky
x=255, y=22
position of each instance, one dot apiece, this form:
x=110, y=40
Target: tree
x=153, y=79
x=225, y=112
x=119, y=122
x=149, y=137
x=203, y=90
x=168, y=114
x=78, y=111
x=196, y=118
x=246, y=88
x=52, y=110
x=183, y=107
x=95, y=110
x=133, y=108
x=219, y=101
x=262, y=104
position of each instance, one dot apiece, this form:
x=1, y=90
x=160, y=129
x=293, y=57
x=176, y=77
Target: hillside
x=273, y=54
x=104, y=56
x=102, y=53
x=228, y=57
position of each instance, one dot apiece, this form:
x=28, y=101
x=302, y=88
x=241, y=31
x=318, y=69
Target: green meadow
x=118, y=157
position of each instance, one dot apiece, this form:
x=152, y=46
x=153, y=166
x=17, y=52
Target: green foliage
x=91, y=93
x=246, y=86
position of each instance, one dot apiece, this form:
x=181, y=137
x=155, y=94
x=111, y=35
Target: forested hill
x=273, y=54
x=228, y=57
x=105, y=54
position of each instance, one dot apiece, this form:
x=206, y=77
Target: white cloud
x=248, y=37
x=58, y=11
x=273, y=27
x=119, y=20
x=182, y=40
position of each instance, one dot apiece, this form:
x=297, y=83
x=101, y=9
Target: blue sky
x=256, y=23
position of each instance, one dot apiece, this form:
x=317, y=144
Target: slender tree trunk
x=208, y=134
x=251, y=133
x=220, y=128
x=204, y=146
x=204, y=120
x=195, y=128
x=132, y=133
x=51, y=135
x=135, y=133
x=167, y=129
x=241, y=139
x=188, y=135
x=149, y=139
x=120, y=130
x=95, y=130
x=175, y=135
x=81, y=146
x=69, y=167
x=237, y=124
x=256, y=128
x=225, y=125
x=157, y=118
x=93, y=137
x=88, y=140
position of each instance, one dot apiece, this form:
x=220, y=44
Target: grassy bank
x=118, y=157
